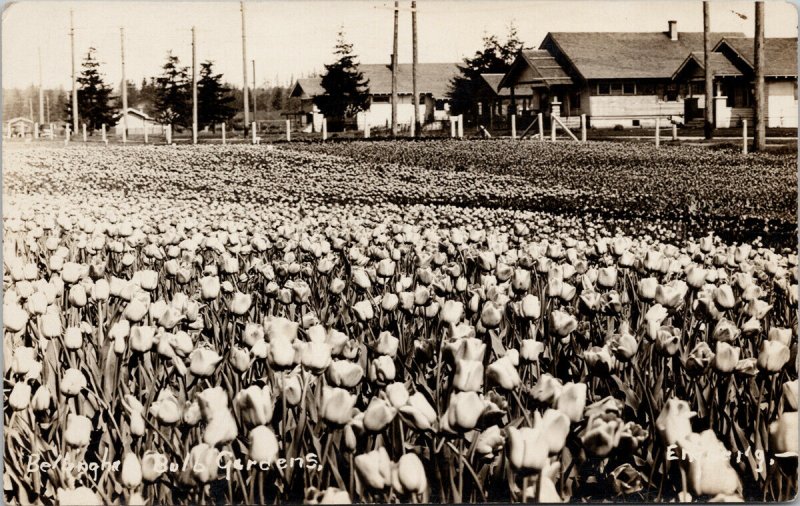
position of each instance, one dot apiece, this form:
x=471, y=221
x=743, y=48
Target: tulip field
x=443, y=322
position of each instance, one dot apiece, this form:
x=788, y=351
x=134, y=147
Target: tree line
x=165, y=97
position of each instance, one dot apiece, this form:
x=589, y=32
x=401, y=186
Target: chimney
x=673, y=30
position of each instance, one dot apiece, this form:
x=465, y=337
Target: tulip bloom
x=554, y=426
x=411, y=474
x=375, y=468
x=344, y=373
x=674, y=421
x=710, y=470
x=783, y=435
x=772, y=356
x=78, y=431
x=527, y=449
x=255, y=404
x=264, y=445
x=563, y=324
x=364, y=310
x=131, y=472
x=337, y=405
x=464, y=410
x=420, y=411
x=468, y=376
x=726, y=358
x=240, y=303
x=378, y=414
x=20, y=396
x=72, y=382
x=504, y=373
x=572, y=400
x=80, y=495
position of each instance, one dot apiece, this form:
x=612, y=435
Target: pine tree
x=346, y=90
x=173, y=93
x=94, y=104
x=213, y=98
x=493, y=58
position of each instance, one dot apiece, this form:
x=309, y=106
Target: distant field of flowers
x=399, y=322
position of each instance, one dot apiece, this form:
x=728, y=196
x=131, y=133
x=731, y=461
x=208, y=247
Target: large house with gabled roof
x=614, y=78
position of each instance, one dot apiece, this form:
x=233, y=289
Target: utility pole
x=75, y=112
x=244, y=72
x=414, y=66
x=255, y=116
x=708, y=123
x=194, y=88
x=30, y=108
x=124, y=87
x=394, y=69
x=759, y=133
x=41, y=92
x=47, y=99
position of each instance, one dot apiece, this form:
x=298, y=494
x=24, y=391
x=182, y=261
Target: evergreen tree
x=213, y=98
x=493, y=58
x=94, y=107
x=346, y=90
x=173, y=93
x=147, y=96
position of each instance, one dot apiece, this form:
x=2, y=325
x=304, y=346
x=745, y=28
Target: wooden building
x=433, y=82
x=615, y=78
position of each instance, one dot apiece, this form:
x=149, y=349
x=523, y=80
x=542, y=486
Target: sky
x=290, y=39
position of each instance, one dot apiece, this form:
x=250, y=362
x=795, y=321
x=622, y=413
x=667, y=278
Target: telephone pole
x=414, y=66
x=244, y=71
x=47, y=99
x=75, y=112
x=255, y=116
x=194, y=88
x=759, y=133
x=708, y=123
x=41, y=92
x=124, y=87
x=394, y=69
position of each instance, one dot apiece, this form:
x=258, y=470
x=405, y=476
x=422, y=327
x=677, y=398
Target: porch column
x=722, y=113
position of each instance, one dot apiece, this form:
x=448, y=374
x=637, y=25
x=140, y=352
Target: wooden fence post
x=84, y=132
x=452, y=127
x=540, y=122
x=253, y=131
x=169, y=133
x=513, y=126
x=145, y=132
x=288, y=130
x=366, y=125
x=460, y=126
x=66, y=134
x=744, y=136
x=552, y=129
x=583, y=128
x=36, y=130
x=223, y=133
x=103, y=132
x=324, y=128
x=658, y=132
x=674, y=131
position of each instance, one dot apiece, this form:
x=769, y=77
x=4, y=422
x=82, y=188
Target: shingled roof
x=493, y=82
x=432, y=79
x=720, y=65
x=626, y=55
x=536, y=68
x=780, y=54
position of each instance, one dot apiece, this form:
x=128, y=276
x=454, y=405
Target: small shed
x=138, y=122
x=19, y=127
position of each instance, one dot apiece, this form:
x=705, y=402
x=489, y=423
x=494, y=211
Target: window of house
x=671, y=93
x=698, y=89
x=646, y=89
x=629, y=88
x=603, y=89
x=616, y=88
x=439, y=105
x=381, y=99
